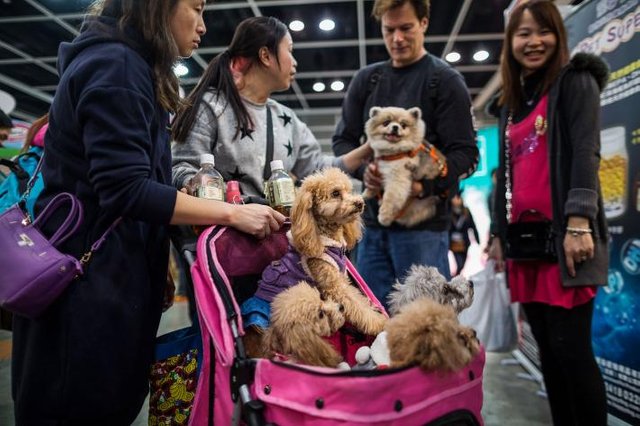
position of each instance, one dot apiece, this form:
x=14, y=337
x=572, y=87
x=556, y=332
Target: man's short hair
x=422, y=7
x=5, y=121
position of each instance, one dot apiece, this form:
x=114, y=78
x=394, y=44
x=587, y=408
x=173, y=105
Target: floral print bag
x=174, y=376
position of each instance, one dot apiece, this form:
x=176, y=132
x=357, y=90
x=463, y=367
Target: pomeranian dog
x=403, y=155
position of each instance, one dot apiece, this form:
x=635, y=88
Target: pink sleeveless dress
x=536, y=281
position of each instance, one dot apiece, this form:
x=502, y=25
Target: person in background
x=227, y=114
x=412, y=77
x=5, y=127
x=461, y=223
x=86, y=360
x=549, y=121
x=15, y=185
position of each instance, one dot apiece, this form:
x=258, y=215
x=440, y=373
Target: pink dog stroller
x=235, y=390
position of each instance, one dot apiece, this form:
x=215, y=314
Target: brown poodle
x=299, y=320
x=428, y=334
x=326, y=212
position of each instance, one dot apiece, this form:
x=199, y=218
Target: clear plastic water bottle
x=208, y=182
x=279, y=189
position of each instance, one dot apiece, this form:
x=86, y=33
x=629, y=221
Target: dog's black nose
x=470, y=283
x=359, y=204
x=341, y=309
x=395, y=129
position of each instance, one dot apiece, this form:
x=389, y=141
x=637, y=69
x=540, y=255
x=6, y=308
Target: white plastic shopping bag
x=491, y=314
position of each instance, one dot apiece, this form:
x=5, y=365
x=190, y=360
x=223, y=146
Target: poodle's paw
x=374, y=323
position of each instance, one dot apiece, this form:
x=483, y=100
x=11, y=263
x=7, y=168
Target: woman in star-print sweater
x=228, y=114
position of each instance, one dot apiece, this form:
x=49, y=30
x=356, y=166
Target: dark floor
x=508, y=398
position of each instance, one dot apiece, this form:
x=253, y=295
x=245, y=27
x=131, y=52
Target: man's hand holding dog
x=373, y=181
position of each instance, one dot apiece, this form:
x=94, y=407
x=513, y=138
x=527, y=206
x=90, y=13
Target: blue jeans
x=385, y=256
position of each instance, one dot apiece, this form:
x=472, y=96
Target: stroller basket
x=232, y=389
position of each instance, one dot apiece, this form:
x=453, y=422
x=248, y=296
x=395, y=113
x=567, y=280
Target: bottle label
x=268, y=192
x=211, y=189
x=283, y=192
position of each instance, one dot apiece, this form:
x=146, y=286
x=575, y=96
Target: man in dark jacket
x=411, y=78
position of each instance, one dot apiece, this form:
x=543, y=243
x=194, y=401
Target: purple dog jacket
x=288, y=271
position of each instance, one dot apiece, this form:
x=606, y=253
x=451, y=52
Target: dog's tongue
x=392, y=137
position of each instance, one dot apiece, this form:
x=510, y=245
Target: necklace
x=533, y=97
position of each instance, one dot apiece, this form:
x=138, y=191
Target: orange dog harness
x=442, y=165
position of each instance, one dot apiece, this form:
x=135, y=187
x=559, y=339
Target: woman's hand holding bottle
x=256, y=219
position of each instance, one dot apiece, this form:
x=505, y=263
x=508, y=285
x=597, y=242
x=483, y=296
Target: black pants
x=461, y=259
x=574, y=384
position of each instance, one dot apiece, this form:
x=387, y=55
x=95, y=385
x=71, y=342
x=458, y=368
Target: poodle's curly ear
x=304, y=230
x=352, y=233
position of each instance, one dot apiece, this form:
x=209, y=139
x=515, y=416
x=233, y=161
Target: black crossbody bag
x=532, y=236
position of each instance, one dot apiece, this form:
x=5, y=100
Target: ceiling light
x=481, y=55
x=180, y=70
x=452, y=57
x=318, y=87
x=337, y=86
x=327, y=25
x=296, y=25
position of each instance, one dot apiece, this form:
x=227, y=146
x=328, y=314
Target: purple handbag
x=34, y=272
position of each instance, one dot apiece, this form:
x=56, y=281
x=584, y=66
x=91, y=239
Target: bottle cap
x=207, y=159
x=277, y=165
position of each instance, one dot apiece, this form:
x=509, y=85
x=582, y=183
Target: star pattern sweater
x=241, y=155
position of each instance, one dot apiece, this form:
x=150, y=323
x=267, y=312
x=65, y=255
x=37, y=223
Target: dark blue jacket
x=86, y=361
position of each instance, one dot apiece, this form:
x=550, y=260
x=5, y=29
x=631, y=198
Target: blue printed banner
x=609, y=28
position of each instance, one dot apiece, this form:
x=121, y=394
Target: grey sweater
x=242, y=157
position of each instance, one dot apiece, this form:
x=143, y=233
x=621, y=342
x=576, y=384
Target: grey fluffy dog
x=426, y=281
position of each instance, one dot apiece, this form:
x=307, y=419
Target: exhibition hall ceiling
x=31, y=30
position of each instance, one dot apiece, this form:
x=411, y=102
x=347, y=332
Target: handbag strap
x=33, y=179
x=71, y=223
x=267, y=163
x=96, y=245
x=507, y=165
x=532, y=213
